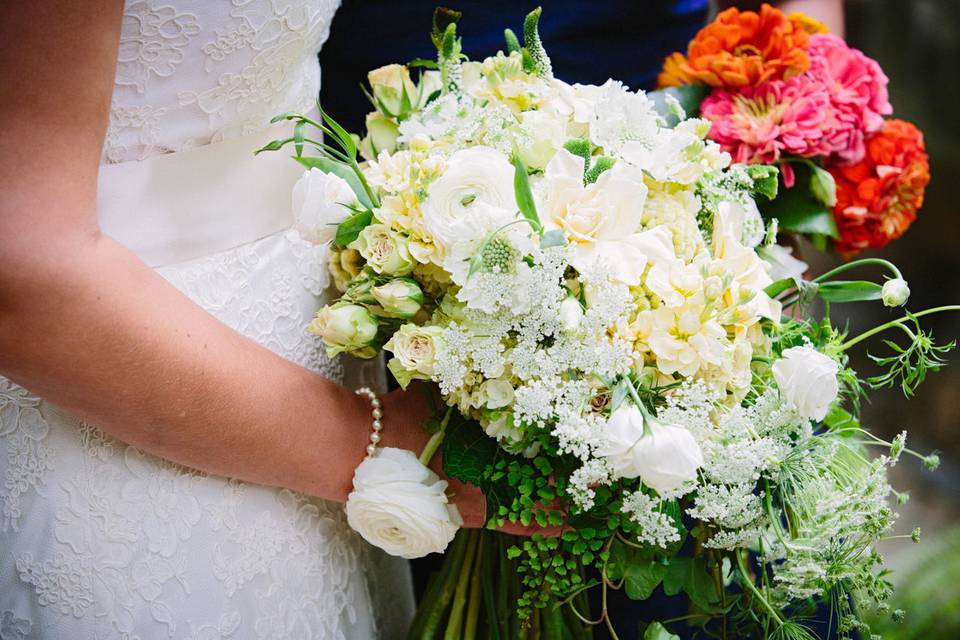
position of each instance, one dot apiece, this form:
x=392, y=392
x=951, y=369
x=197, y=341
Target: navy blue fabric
x=588, y=42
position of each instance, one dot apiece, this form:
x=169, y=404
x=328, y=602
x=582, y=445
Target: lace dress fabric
x=100, y=540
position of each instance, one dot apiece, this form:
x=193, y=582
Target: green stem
x=473, y=605
x=436, y=439
x=752, y=588
x=898, y=322
x=434, y=604
x=859, y=263
x=455, y=624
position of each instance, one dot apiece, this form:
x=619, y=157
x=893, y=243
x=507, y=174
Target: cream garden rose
x=602, y=221
x=401, y=506
x=320, y=204
x=807, y=380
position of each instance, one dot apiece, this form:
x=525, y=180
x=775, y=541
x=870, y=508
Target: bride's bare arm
x=85, y=324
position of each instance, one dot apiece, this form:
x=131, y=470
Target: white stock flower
x=684, y=341
x=808, y=380
x=400, y=505
x=781, y=263
x=479, y=175
x=319, y=205
x=663, y=456
x=895, y=292
x=602, y=220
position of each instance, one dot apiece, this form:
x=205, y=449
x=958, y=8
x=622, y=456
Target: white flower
x=895, y=292
x=808, y=380
x=781, y=263
x=319, y=205
x=621, y=116
x=684, y=341
x=344, y=327
x=415, y=352
x=400, y=505
x=677, y=155
x=742, y=222
x=399, y=298
x=385, y=250
x=571, y=314
x=602, y=220
x=496, y=393
x=479, y=175
x=663, y=456
x=541, y=134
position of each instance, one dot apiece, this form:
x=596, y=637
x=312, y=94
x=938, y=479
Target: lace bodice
x=191, y=73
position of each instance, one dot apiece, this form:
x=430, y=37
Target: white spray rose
x=473, y=176
x=385, y=250
x=571, y=314
x=319, y=201
x=895, y=292
x=382, y=134
x=663, y=456
x=344, y=327
x=414, y=350
x=389, y=84
x=808, y=380
x=400, y=505
x=400, y=298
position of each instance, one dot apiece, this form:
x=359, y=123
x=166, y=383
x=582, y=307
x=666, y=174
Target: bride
x=153, y=301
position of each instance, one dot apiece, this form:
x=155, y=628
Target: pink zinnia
x=858, y=93
x=762, y=123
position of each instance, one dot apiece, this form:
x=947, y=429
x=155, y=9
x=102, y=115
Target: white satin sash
x=180, y=206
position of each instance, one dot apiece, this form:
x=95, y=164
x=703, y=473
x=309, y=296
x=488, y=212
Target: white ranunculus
x=475, y=175
x=808, y=380
x=319, y=205
x=601, y=221
x=400, y=505
x=663, y=456
x=895, y=292
x=781, y=263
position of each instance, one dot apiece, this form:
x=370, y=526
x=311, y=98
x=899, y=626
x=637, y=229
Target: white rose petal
x=664, y=457
x=808, y=380
x=400, y=505
x=319, y=201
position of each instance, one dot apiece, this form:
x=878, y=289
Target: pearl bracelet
x=377, y=414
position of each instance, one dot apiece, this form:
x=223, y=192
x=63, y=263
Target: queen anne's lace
x=100, y=540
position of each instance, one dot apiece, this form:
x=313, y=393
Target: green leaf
x=423, y=62
x=640, y=572
x=467, y=451
x=778, y=287
x=849, y=290
x=690, y=575
x=349, y=229
x=620, y=393
x=798, y=210
x=525, y=201
x=298, y=137
x=839, y=418
x=657, y=631
x=345, y=139
x=689, y=96
x=329, y=165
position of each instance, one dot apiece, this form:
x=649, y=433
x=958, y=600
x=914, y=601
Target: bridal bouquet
x=578, y=271
x=780, y=90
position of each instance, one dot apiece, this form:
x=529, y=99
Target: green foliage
x=638, y=568
x=798, y=209
x=656, y=631
x=467, y=451
x=909, y=365
x=849, y=290
x=350, y=228
x=523, y=194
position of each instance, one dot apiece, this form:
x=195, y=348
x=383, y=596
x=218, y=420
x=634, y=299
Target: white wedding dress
x=99, y=540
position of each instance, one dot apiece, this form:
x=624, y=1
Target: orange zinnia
x=742, y=48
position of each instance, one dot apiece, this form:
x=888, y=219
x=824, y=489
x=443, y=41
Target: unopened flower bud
x=895, y=292
x=344, y=327
x=399, y=298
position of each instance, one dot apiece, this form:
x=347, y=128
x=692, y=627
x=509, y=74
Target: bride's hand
x=405, y=413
